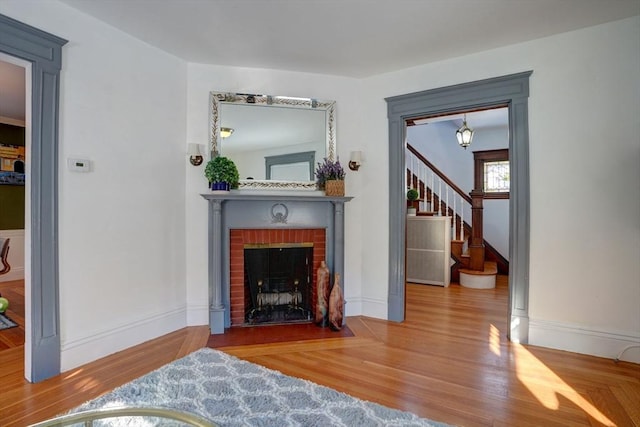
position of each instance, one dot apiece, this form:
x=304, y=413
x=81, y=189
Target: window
x=496, y=177
x=492, y=173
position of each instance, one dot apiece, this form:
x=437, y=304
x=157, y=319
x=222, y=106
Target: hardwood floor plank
x=610, y=407
x=627, y=395
x=197, y=337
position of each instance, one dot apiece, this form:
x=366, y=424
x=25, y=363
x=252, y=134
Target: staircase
x=475, y=263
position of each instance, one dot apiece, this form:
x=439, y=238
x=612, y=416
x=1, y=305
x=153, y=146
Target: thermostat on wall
x=79, y=165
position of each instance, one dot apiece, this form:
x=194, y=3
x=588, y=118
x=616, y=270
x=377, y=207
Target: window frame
x=485, y=156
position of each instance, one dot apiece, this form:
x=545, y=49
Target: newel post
x=476, y=247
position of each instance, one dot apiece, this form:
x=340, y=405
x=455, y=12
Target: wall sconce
x=194, y=154
x=356, y=159
x=225, y=132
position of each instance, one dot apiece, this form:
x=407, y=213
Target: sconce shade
x=354, y=161
x=225, y=132
x=464, y=134
x=194, y=154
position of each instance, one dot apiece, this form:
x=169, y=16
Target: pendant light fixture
x=464, y=134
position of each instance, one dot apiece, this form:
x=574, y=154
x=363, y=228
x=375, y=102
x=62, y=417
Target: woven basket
x=334, y=187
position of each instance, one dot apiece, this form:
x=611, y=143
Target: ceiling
x=356, y=38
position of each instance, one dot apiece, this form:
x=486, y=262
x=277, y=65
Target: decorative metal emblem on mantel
x=279, y=213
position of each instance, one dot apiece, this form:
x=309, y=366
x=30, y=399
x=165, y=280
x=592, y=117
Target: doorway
x=12, y=196
x=445, y=173
x=42, y=54
x=511, y=90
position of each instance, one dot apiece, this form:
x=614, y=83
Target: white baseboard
x=197, y=314
x=373, y=307
x=578, y=339
x=352, y=307
x=77, y=352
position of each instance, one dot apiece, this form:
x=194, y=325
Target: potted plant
x=330, y=177
x=412, y=197
x=222, y=174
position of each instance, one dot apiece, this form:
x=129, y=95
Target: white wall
x=122, y=265
x=585, y=169
x=205, y=78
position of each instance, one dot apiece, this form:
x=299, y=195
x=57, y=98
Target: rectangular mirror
x=275, y=141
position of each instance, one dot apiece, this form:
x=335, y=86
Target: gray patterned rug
x=233, y=392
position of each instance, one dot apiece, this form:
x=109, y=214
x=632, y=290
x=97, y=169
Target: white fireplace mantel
x=265, y=210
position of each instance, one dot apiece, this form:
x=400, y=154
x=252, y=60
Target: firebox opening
x=278, y=283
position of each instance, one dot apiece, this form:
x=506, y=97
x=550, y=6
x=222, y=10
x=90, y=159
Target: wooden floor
x=449, y=361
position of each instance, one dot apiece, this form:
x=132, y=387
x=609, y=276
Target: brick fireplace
x=239, y=217
x=241, y=238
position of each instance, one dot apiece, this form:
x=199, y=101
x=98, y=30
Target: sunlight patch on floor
x=537, y=377
x=71, y=374
x=494, y=340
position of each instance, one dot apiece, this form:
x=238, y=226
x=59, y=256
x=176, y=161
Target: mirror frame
x=217, y=99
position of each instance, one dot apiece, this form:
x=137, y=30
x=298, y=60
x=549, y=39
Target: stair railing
x=438, y=193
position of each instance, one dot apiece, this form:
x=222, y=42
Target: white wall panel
x=121, y=225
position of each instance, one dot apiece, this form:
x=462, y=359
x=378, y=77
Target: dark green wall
x=11, y=196
x=11, y=135
x=11, y=207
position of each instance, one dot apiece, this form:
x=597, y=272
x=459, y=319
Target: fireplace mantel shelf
x=266, y=195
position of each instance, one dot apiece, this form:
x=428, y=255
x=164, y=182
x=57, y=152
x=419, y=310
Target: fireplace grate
x=278, y=280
